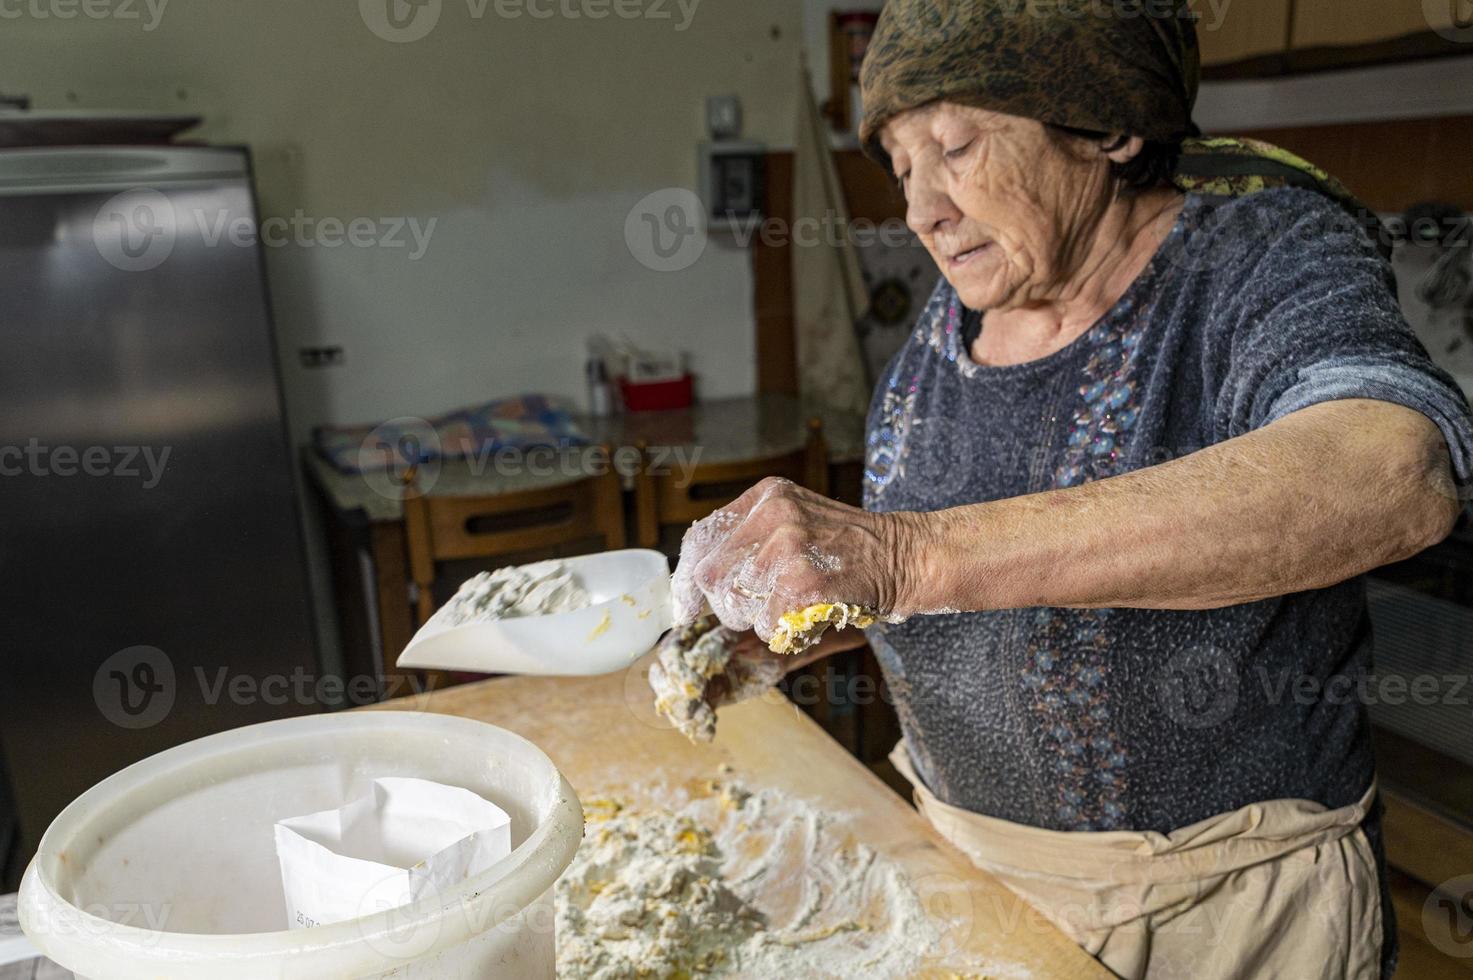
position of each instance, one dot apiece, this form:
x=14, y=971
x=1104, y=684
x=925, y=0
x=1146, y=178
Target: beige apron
x=1282, y=890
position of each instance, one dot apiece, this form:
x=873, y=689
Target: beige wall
x=526, y=139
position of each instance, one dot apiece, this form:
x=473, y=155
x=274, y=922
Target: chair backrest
x=681, y=498
x=541, y=520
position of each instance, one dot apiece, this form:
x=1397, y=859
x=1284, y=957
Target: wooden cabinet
x=1231, y=31
x=1341, y=23
x=1270, y=37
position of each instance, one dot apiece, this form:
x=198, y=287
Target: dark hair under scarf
x=1108, y=66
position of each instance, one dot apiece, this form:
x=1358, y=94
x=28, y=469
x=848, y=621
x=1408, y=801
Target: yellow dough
x=797, y=631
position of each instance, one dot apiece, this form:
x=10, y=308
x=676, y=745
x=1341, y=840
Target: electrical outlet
x=321, y=357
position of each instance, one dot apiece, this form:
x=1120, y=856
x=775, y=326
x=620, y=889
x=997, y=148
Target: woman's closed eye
x=956, y=153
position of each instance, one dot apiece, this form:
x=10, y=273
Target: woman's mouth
x=962, y=258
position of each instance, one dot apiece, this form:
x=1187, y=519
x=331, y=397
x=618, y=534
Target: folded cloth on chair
x=525, y=422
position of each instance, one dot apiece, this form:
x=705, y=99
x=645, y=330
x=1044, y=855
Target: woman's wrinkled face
x=1005, y=210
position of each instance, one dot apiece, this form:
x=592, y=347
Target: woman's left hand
x=780, y=548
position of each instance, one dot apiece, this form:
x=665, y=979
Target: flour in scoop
x=538, y=589
x=731, y=881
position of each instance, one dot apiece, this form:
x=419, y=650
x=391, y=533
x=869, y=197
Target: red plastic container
x=657, y=396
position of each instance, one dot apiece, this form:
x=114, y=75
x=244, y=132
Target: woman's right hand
x=754, y=668
x=779, y=549
x=705, y=666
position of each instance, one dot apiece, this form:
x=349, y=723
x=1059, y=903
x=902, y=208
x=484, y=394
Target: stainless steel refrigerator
x=153, y=586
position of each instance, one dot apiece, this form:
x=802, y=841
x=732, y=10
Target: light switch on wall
x=321, y=357
x=724, y=117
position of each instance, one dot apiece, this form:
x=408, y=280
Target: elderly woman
x=1158, y=417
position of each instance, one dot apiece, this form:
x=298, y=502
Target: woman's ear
x=1121, y=148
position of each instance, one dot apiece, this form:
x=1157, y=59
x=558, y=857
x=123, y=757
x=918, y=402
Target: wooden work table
x=603, y=734
x=363, y=516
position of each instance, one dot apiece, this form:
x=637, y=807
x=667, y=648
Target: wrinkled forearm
x=1318, y=497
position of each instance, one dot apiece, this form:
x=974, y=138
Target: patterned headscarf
x=1108, y=66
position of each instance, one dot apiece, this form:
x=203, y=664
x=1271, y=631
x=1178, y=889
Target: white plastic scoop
x=631, y=608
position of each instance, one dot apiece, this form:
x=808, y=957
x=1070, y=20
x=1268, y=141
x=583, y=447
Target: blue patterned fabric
x=524, y=422
x=1097, y=720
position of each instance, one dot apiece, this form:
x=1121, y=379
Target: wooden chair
x=664, y=499
x=528, y=524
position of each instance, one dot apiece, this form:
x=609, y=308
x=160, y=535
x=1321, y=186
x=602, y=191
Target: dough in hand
x=689, y=659
x=798, y=631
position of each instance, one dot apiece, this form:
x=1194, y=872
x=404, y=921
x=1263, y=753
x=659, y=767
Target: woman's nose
x=928, y=205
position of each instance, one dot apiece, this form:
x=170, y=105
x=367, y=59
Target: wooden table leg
x=391, y=585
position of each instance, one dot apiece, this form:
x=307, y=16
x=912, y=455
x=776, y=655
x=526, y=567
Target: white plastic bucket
x=168, y=869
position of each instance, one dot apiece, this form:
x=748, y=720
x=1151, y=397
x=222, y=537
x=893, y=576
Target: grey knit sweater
x=1141, y=719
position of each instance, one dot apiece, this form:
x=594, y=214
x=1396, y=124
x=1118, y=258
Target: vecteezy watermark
x=397, y=931
x=1198, y=687
x=137, y=688
x=146, y=922
x=1447, y=917
x=1451, y=19
x=1389, y=690
x=400, y=21
x=941, y=458
x=404, y=21
x=666, y=230
x=407, y=455
x=680, y=13
x=1223, y=236
x=138, y=230
x=403, y=932
x=135, y=230
x=400, y=457
x=125, y=462
x=305, y=231
x=149, y=13
x=300, y=688
x=830, y=228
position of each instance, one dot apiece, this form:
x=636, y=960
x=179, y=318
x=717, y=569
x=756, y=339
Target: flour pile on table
x=732, y=882
x=526, y=590
x=645, y=891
